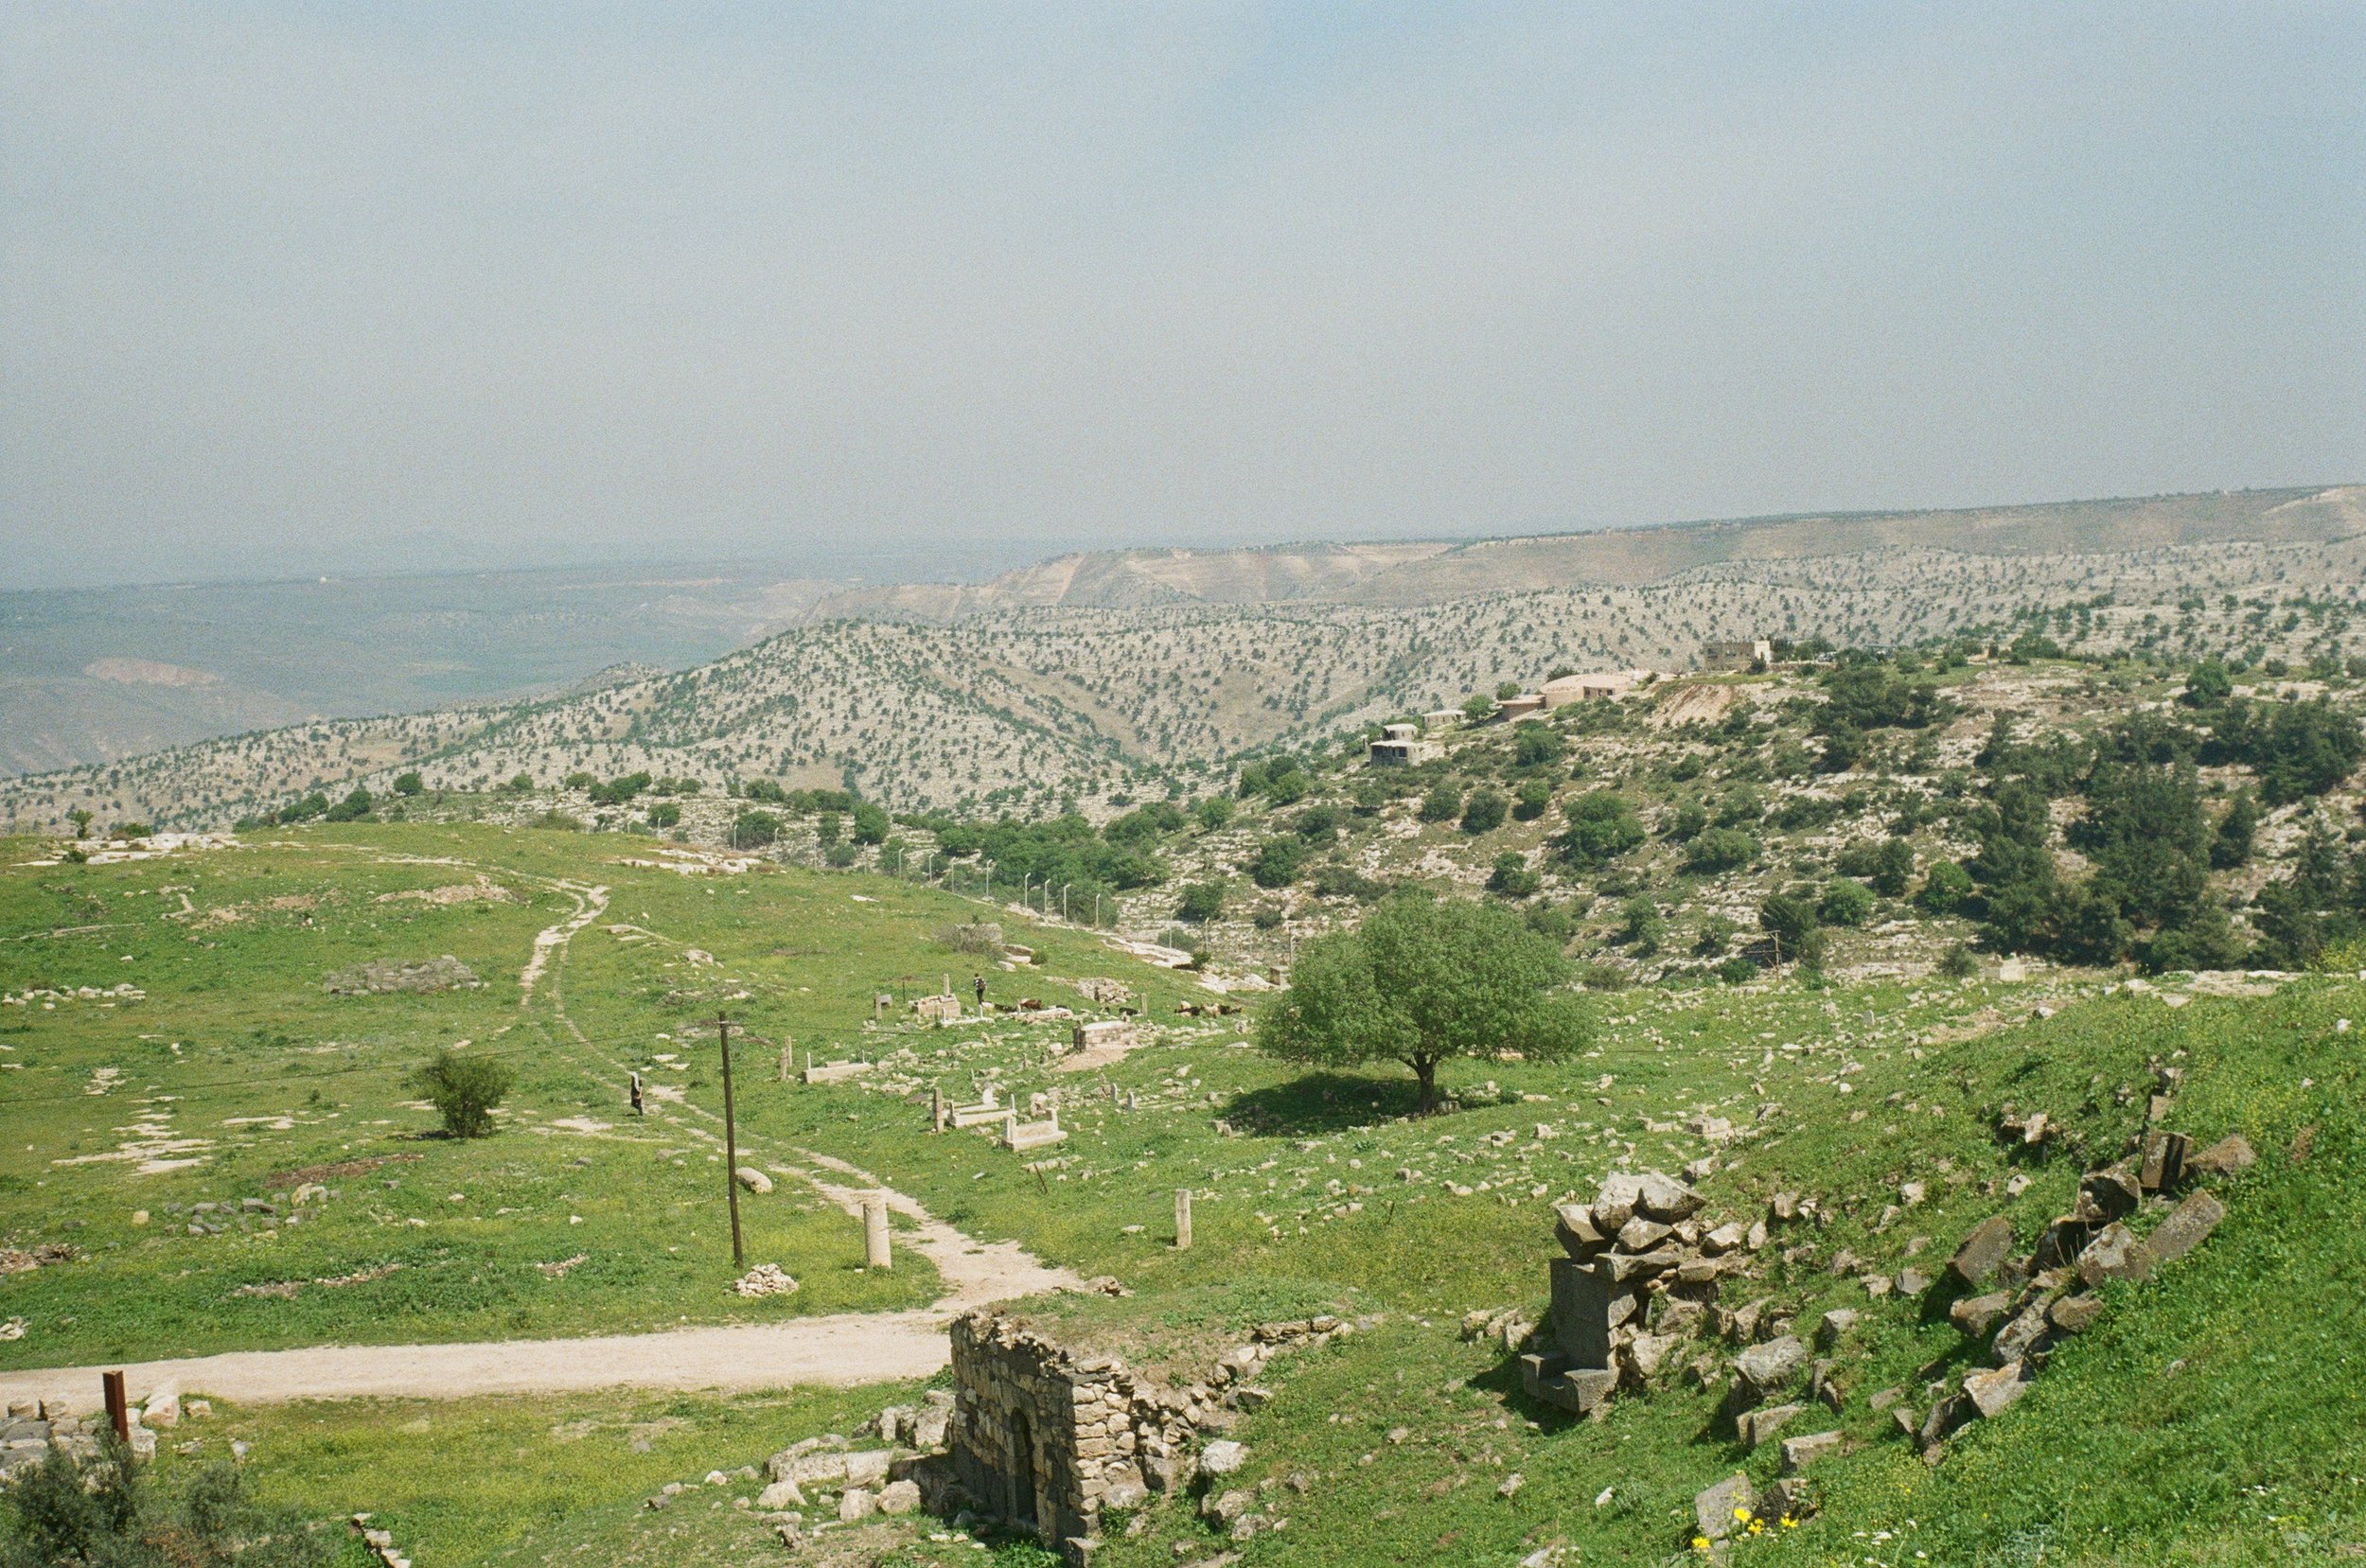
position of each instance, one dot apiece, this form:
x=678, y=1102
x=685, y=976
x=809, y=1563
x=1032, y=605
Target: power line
x=293, y=1076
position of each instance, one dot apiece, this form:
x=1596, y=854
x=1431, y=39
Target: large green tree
x=1423, y=980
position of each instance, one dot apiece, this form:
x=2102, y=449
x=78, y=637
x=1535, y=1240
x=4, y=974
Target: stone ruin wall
x=1039, y=1431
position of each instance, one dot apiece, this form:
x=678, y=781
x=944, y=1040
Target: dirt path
x=839, y=1350
x=591, y=903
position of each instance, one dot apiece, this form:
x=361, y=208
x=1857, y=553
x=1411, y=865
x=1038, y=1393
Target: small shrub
x=1957, y=963
x=1512, y=876
x=1719, y=850
x=1201, y=902
x=1443, y=803
x=1945, y=888
x=1485, y=810
x=1845, y=903
x=753, y=830
x=463, y=1089
x=1277, y=861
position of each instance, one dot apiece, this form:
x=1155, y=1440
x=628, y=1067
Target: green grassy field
x=2211, y=1416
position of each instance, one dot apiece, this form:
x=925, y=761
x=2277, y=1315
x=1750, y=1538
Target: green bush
x=1946, y=888
x=111, y=1511
x=408, y=783
x=1201, y=902
x=1276, y=862
x=1788, y=919
x=1603, y=826
x=755, y=830
x=1532, y=798
x=1845, y=903
x=1443, y=803
x=463, y=1089
x=1485, y=810
x=1719, y=850
x=1512, y=876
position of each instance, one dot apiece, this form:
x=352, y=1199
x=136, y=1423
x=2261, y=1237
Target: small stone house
x=1567, y=689
x=1046, y=1438
x=1739, y=654
x=1400, y=744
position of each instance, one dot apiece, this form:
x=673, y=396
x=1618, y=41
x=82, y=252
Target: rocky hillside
x=1025, y=709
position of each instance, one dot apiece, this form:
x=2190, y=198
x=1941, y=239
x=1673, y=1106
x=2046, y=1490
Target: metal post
x=118, y=1403
x=730, y=1142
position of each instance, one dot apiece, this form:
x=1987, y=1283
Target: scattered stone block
x=2188, y=1225
x=1974, y=1315
x=2020, y=1339
x=2163, y=1164
x=1664, y=1198
x=1799, y=1453
x=2073, y=1315
x=1991, y=1392
x=1771, y=1368
x=1755, y=1426
x=1983, y=1252
x=2115, y=1254
x=2231, y=1156
x=753, y=1179
x=1718, y=1511
x=899, y=1497
x=1574, y=1227
x=2109, y=1194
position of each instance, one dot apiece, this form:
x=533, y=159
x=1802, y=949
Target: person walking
x=978, y=984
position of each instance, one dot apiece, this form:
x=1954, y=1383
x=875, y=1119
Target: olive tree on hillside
x=1422, y=980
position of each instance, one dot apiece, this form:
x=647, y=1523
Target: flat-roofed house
x=1739, y=654
x=1590, y=688
x=1400, y=745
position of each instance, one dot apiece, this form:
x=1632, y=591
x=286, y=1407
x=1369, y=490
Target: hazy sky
x=286, y=287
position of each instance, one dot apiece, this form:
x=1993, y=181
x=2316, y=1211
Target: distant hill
x=92, y=675
x=1424, y=573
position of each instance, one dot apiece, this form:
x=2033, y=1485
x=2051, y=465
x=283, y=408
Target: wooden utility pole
x=731, y=1140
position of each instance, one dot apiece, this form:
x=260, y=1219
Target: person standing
x=978, y=984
